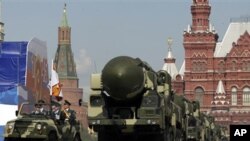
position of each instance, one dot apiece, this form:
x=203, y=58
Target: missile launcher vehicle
x=130, y=101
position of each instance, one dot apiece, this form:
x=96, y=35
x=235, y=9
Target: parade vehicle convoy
x=130, y=101
x=31, y=126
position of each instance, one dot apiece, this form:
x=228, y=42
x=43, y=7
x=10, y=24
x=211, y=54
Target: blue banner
x=12, y=65
x=9, y=96
x=23, y=76
x=1, y=132
x=12, y=70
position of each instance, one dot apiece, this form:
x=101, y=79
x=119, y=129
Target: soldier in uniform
x=67, y=114
x=39, y=109
x=56, y=111
x=69, y=118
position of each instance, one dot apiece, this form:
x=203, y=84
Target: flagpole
x=50, y=92
x=50, y=87
x=55, y=90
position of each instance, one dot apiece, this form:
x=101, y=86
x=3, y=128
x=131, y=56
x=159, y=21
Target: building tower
x=1, y=24
x=199, y=43
x=170, y=66
x=64, y=59
x=217, y=73
x=66, y=68
x=169, y=61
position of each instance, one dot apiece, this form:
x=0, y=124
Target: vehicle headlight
x=9, y=127
x=39, y=126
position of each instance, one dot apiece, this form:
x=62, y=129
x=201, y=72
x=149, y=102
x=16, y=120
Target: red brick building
x=216, y=73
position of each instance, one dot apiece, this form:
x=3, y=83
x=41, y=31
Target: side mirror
x=17, y=112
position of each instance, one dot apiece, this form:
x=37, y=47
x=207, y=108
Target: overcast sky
x=103, y=29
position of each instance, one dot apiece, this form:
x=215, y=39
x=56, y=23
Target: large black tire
x=52, y=137
x=103, y=136
x=162, y=136
x=158, y=137
x=110, y=134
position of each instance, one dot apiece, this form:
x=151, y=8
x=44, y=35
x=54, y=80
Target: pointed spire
x=220, y=95
x=220, y=88
x=169, y=61
x=188, y=29
x=220, y=103
x=64, y=22
x=170, y=42
x=64, y=59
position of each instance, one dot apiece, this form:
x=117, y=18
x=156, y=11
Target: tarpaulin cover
x=12, y=70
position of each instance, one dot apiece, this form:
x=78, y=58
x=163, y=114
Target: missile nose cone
x=122, y=78
x=119, y=75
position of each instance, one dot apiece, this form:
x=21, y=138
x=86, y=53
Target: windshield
x=35, y=109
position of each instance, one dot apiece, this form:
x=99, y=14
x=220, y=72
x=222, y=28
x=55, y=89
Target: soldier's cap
x=54, y=103
x=66, y=102
x=39, y=103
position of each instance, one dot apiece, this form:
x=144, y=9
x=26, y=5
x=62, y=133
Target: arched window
x=204, y=66
x=234, y=66
x=244, y=65
x=246, y=96
x=194, y=66
x=199, y=66
x=63, y=35
x=221, y=66
x=234, y=96
x=248, y=65
x=199, y=92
